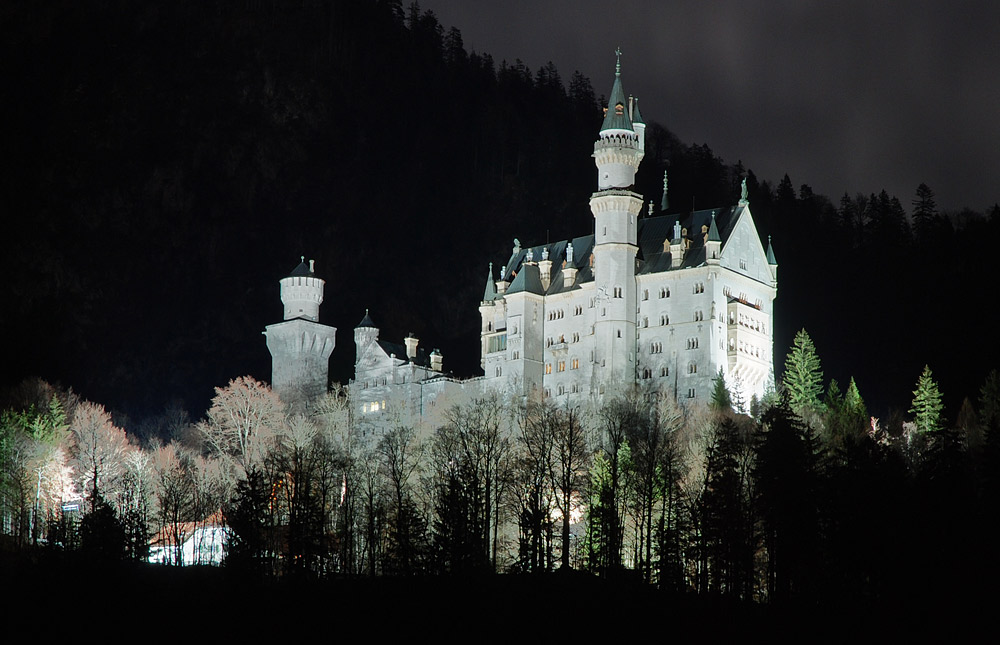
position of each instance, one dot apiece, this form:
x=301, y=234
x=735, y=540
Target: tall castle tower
x=300, y=346
x=617, y=152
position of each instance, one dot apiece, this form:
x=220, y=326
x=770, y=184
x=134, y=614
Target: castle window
x=578, y=310
x=562, y=390
x=562, y=366
x=516, y=355
x=618, y=292
x=645, y=294
x=499, y=370
x=664, y=319
x=619, y=333
x=489, y=326
x=575, y=364
x=664, y=371
x=692, y=343
x=656, y=348
x=743, y=264
x=664, y=292
x=576, y=337
x=646, y=373
x=548, y=368
x=690, y=392
x=699, y=287
x=698, y=315
x=645, y=322
x=692, y=368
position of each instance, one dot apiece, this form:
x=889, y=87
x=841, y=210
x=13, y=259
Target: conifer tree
x=927, y=404
x=803, y=378
x=721, y=400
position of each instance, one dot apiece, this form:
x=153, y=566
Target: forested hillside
x=169, y=161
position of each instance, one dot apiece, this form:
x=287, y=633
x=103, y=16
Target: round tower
x=617, y=153
x=302, y=292
x=300, y=347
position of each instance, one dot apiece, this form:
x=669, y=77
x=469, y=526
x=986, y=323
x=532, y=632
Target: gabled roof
x=582, y=248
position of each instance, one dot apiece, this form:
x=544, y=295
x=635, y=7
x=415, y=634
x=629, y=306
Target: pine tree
x=927, y=404
x=924, y=210
x=721, y=400
x=803, y=375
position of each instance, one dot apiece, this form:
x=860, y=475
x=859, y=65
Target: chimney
x=569, y=268
x=436, y=360
x=312, y=266
x=411, y=346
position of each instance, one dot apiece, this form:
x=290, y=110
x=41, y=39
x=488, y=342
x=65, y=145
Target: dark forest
x=168, y=162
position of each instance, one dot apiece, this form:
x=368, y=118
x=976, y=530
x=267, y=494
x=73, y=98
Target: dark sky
x=850, y=96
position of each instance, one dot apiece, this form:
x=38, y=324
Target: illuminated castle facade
x=663, y=301
x=656, y=300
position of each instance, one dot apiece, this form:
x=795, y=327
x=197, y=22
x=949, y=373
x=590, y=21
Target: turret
x=302, y=292
x=617, y=153
x=618, y=149
x=365, y=333
x=300, y=347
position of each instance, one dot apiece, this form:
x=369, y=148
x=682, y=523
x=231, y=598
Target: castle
x=660, y=300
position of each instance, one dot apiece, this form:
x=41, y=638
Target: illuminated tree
x=245, y=417
x=927, y=404
x=100, y=450
x=803, y=378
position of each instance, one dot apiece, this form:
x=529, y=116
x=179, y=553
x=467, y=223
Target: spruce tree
x=721, y=400
x=927, y=404
x=803, y=378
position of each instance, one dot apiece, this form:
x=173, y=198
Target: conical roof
x=617, y=117
x=366, y=322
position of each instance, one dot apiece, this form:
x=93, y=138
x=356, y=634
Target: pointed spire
x=743, y=193
x=713, y=231
x=490, y=294
x=366, y=321
x=616, y=117
x=636, y=117
x=664, y=203
x=770, y=253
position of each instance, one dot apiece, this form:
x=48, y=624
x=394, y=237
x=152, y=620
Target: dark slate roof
x=366, y=322
x=490, y=293
x=422, y=358
x=613, y=120
x=652, y=233
x=654, y=230
x=582, y=248
x=636, y=117
x=301, y=270
x=527, y=279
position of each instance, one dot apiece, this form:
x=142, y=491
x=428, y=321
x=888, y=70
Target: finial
x=569, y=253
x=618, y=62
x=491, y=269
x=651, y=208
x=302, y=258
x=517, y=246
x=545, y=253
x=664, y=203
x=531, y=255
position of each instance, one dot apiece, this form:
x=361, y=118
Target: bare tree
x=100, y=449
x=244, y=419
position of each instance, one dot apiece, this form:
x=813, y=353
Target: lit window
x=575, y=364
x=548, y=368
x=562, y=366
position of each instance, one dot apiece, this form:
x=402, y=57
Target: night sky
x=850, y=96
